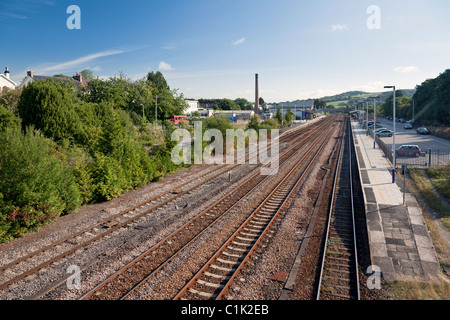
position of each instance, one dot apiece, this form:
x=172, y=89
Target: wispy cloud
x=164, y=66
x=13, y=15
x=339, y=27
x=22, y=9
x=409, y=69
x=239, y=41
x=79, y=62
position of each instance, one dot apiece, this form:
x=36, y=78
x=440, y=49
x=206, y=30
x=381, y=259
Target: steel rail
x=330, y=215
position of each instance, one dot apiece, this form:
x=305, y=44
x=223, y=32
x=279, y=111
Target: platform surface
x=399, y=240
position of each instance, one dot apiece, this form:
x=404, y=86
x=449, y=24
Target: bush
x=35, y=186
x=7, y=119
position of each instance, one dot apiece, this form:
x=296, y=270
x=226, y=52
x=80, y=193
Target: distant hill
x=351, y=98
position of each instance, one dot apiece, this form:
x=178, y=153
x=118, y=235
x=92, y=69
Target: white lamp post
x=393, y=144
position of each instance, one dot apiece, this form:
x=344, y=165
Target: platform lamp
x=393, y=144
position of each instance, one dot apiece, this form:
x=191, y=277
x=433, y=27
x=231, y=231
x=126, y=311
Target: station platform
x=399, y=241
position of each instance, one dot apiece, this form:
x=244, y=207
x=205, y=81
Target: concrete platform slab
x=399, y=240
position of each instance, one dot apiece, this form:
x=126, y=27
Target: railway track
x=93, y=233
x=339, y=278
x=215, y=277
x=125, y=281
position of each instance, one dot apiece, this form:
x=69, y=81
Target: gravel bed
x=280, y=248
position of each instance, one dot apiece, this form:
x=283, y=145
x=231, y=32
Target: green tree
x=432, y=100
x=48, y=105
x=227, y=104
x=253, y=123
x=279, y=116
x=87, y=74
x=289, y=117
x=243, y=104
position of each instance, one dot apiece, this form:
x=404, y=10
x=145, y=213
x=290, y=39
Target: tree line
x=430, y=103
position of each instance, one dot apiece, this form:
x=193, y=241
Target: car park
x=423, y=130
x=409, y=151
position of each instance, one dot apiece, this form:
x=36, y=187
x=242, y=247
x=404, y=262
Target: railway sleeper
x=202, y=294
x=237, y=249
x=232, y=255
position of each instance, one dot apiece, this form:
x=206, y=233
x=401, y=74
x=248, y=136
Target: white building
x=192, y=107
x=5, y=81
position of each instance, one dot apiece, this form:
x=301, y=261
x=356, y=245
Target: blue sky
x=213, y=48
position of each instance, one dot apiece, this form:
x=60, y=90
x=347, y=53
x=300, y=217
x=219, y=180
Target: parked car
x=380, y=129
x=409, y=151
x=423, y=130
x=384, y=133
x=408, y=125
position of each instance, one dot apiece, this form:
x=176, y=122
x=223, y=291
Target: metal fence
x=428, y=158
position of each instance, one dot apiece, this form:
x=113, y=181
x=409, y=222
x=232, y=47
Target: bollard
x=429, y=158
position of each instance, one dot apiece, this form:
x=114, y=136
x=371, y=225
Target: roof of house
x=29, y=78
x=7, y=79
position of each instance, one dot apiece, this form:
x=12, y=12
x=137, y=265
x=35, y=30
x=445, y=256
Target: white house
x=5, y=81
x=192, y=106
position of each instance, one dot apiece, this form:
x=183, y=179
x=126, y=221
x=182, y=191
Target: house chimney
x=6, y=72
x=30, y=74
x=256, y=94
x=78, y=77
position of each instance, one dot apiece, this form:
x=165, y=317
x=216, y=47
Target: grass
x=416, y=290
x=440, y=178
x=424, y=186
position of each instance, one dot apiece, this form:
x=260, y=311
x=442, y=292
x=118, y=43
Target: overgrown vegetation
x=417, y=290
x=424, y=186
x=63, y=145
